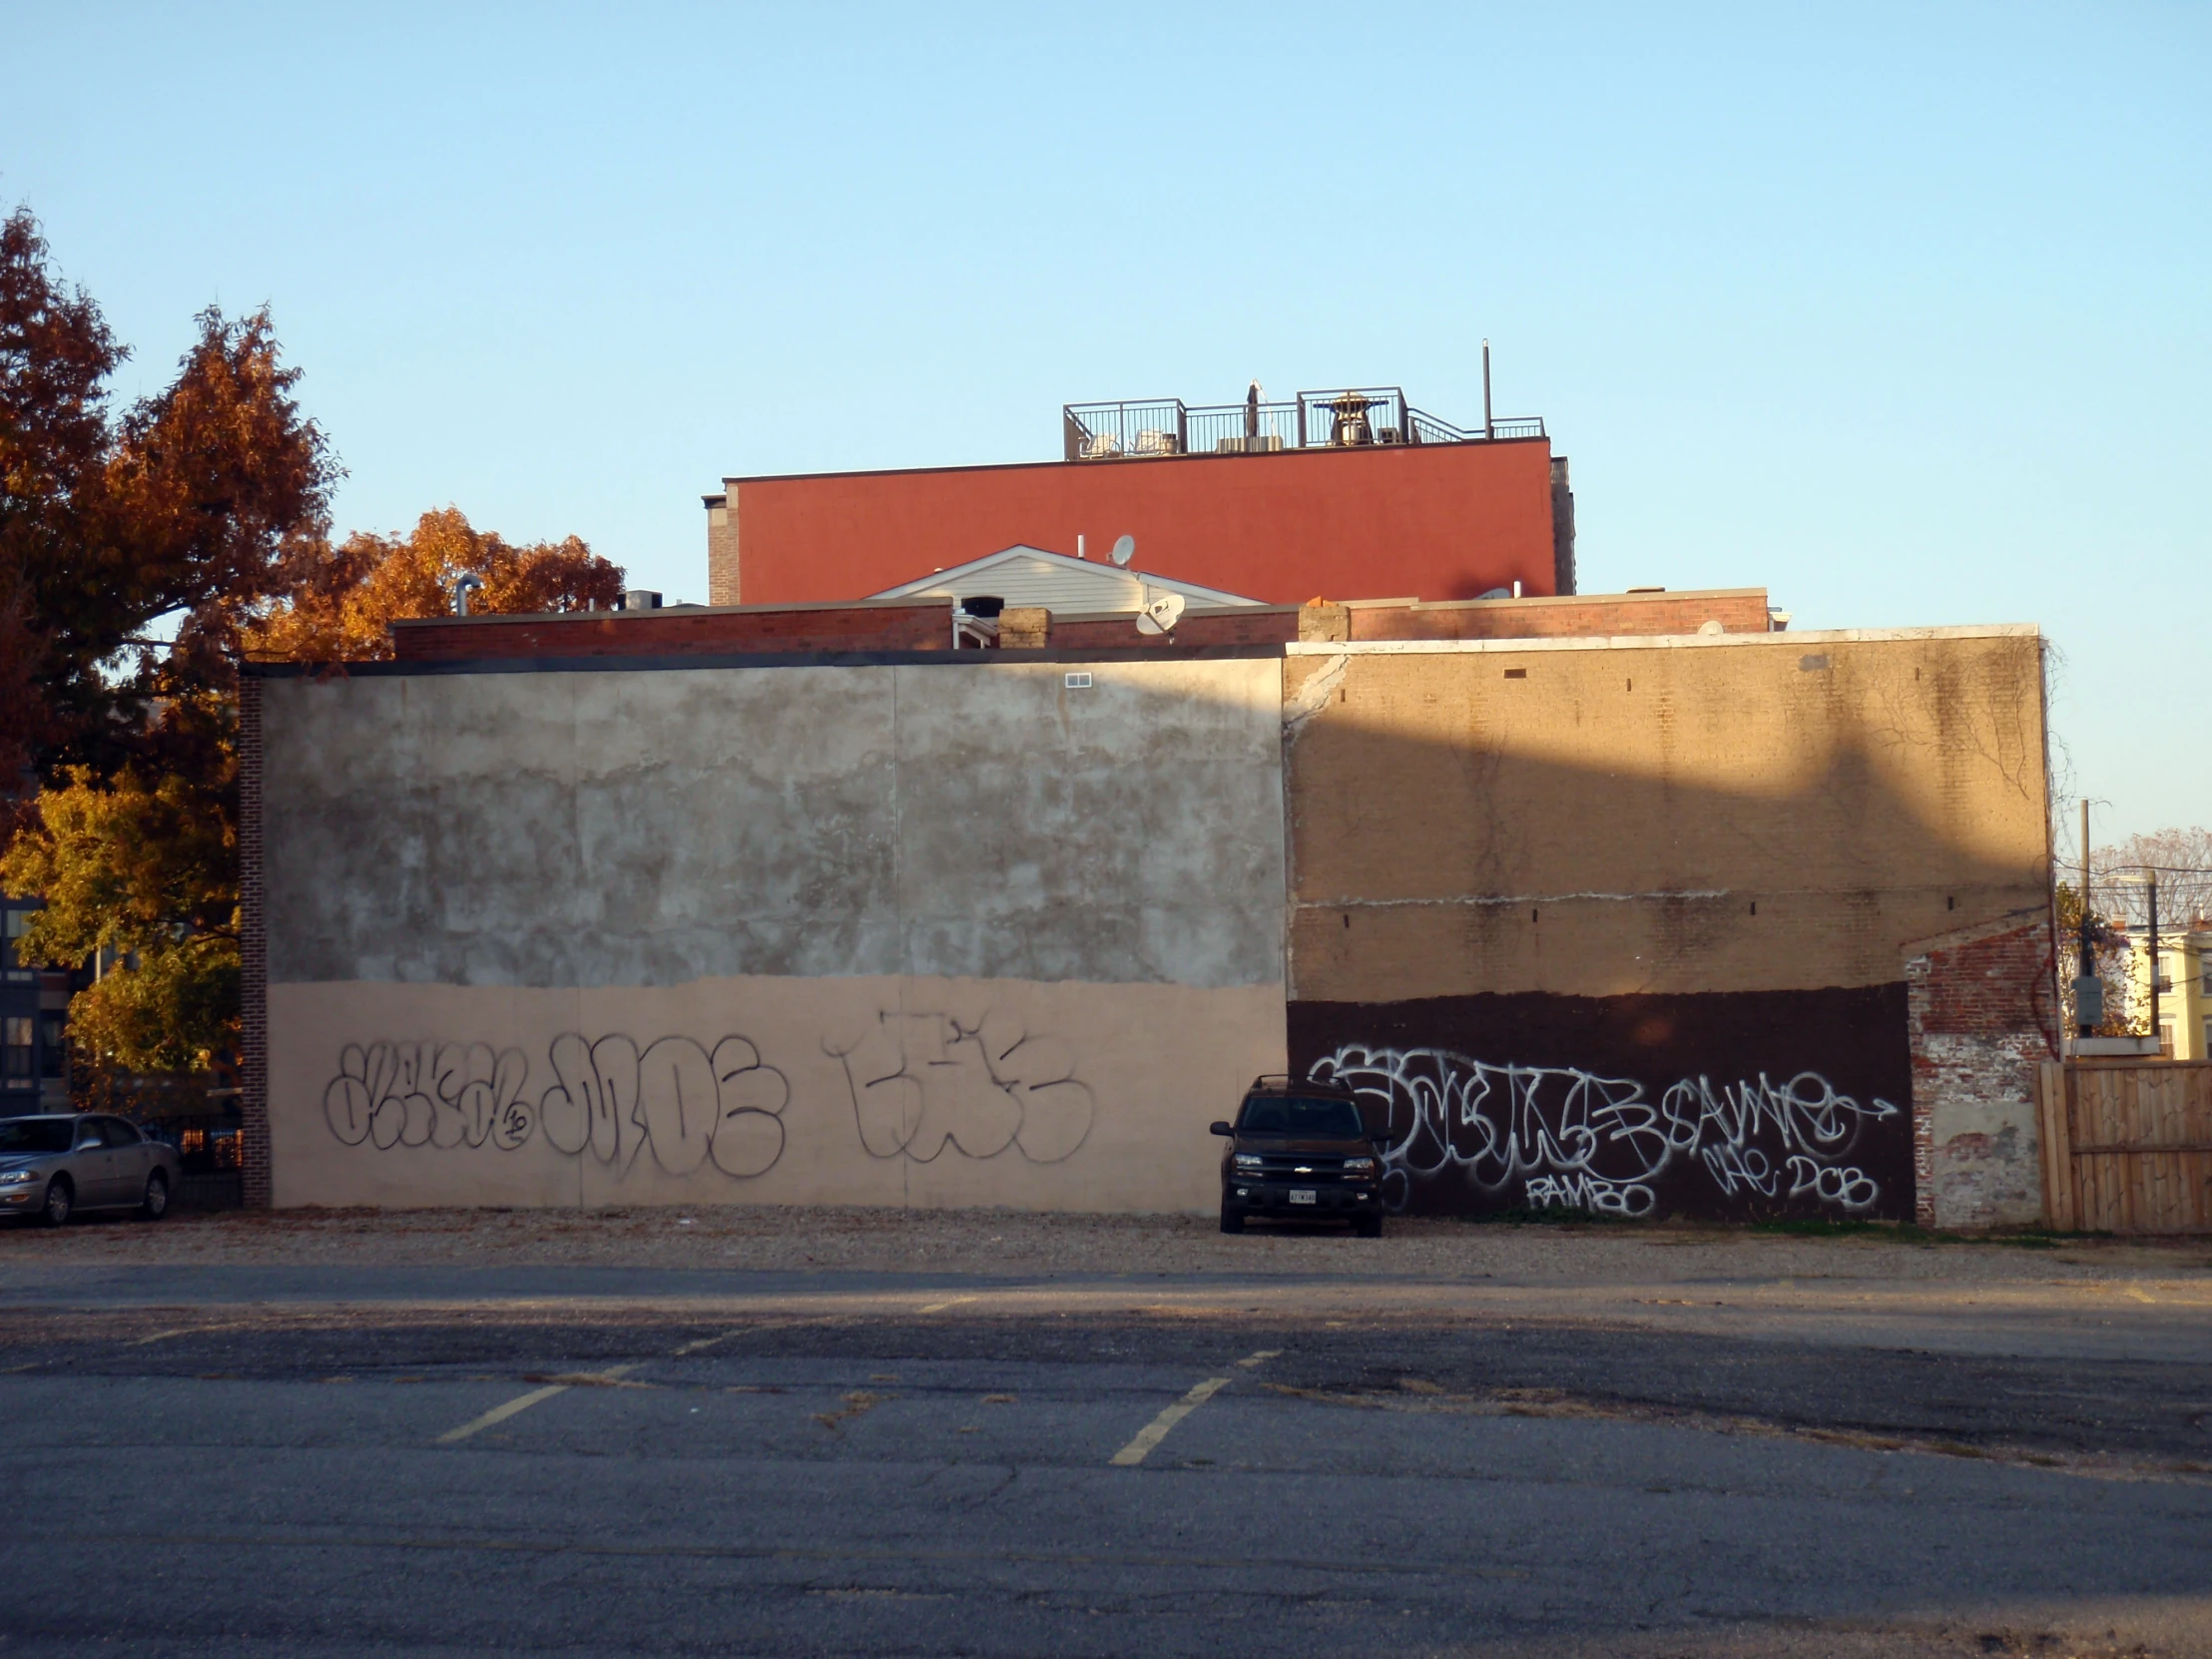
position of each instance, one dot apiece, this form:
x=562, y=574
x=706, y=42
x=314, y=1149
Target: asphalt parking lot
x=444, y=1456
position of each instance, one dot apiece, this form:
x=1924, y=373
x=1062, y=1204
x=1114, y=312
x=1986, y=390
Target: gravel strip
x=1027, y=1243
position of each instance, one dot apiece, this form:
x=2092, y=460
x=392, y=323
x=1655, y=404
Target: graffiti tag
x=674, y=1098
x=922, y=1082
x=1570, y=1138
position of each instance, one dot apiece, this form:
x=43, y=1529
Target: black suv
x=1300, y=1151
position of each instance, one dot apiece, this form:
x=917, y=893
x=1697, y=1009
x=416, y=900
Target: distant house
x=2184, y=969
x=1025, y=575
x=34, y=1022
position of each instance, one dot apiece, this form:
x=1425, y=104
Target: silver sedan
x=53, y=1164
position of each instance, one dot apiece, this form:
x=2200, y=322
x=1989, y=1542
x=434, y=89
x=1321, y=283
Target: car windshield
x=36, y=1135
x=1303, y=1117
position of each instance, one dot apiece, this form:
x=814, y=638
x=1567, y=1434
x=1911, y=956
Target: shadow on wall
x=1649, y=958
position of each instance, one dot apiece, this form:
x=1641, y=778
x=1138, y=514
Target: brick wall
x=1254, y=625
x=1981, y=1011
x=670, y=633
x=253, y=953
x=724, y=586
x=1591, y=616
x=926, y=626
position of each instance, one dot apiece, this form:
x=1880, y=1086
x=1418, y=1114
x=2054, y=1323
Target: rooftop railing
x=1346, y=418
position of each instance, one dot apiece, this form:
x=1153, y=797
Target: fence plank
x=2129, y=1145
x=2056, y=1147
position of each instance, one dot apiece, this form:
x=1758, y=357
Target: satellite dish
x=1160, y=612
x=1125, y=549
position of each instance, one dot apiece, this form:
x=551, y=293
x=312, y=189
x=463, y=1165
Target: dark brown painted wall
x=1741, y=1105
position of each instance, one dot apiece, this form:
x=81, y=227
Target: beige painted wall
x=880, y=1091
x=1600, y=818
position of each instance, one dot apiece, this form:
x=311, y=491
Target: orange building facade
x=1417, y=520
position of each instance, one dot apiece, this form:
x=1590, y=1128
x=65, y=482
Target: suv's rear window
x=1303, y=1117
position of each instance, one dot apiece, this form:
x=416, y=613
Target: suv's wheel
x=1232, y=1220
x=1367, y=1226
x=156, y=1203
x=61, y=1198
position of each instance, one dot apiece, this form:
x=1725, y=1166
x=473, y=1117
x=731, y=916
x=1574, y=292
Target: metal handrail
x=1339, y=418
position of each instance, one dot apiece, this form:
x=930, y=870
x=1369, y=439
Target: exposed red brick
x=1981, y=1012
x=1589, y=616
x=670, y=633
x=926, y=626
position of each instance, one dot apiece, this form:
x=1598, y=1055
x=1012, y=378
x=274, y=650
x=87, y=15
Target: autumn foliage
x=144, y=551
x=342, y=611
x=142, y=877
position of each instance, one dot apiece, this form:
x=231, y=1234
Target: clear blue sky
x=1901, y=312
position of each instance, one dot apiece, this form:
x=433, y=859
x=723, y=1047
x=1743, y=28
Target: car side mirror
x=1219, y=1126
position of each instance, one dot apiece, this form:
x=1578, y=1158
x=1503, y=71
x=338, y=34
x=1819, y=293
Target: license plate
x=1305, y=1195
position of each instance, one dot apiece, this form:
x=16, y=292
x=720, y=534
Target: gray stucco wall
x=651, y=828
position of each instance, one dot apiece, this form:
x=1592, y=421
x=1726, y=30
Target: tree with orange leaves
x=343, y=609
x=206, y=509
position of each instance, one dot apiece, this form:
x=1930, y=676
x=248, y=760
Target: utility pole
x=1489, y=426
x=2088, y=991
x=2155, y=955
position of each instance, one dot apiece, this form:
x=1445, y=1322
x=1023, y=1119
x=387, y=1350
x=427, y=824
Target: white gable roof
x=1069, y=587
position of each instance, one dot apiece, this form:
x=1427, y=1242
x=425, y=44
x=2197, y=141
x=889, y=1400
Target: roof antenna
x=1489, y=426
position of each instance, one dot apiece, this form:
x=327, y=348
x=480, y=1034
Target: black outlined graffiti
x=922, y=1082
x=1570, y=1138
x=687, y=1106
x=429, y=1094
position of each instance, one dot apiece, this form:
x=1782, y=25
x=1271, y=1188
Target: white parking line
x=1156, y=1431
x=523, y=1402
x=940, y=1306
x=1261, y=1358
x=189, y=1331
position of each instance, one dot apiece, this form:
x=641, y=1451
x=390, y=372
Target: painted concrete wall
x=950, y=933
x=1624, y=925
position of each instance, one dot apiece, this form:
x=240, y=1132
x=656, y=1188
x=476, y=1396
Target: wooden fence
x=2127, y=1145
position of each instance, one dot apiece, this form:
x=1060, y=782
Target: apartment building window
x=17, y=1039
x=2165, y=1040
x=53, y=1045
x=11, y=930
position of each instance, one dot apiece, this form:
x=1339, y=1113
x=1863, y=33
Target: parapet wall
x=904, y=625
